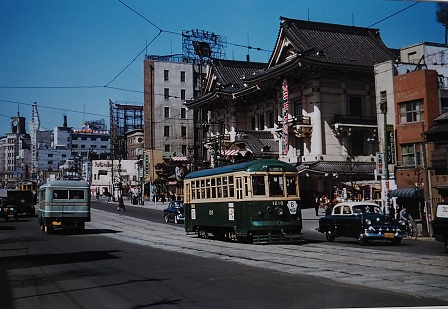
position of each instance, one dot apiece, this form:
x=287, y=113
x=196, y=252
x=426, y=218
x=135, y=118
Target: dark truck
x=440, y=224
x=16, y=202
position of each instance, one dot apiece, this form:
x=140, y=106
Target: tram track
x=414, y=274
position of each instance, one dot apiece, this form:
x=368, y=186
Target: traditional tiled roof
x=326, y=45
x=359, y=169
x=256, y=140
x=230, y=73
x=226, y=79
x=438, y=132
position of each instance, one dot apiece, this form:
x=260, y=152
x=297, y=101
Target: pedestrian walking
x=316, y=205
x=121, y=204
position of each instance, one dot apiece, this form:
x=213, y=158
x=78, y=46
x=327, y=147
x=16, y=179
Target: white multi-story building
x=168, y=123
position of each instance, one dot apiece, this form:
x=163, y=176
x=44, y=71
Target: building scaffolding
x=200, y=44
x=123, y=118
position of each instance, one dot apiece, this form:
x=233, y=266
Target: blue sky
x=62, y=53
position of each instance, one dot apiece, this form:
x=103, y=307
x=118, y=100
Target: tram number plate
x=389, y=235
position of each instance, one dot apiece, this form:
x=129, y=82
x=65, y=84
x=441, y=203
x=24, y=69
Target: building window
x=411, y=111
x=50, y=155
x=355, y=106
x=183, y=131
x=166, y=112
x=260, y=121
x=167, y=148
x=167, y=93
x=298, y=108
x=252, y=123
x=182, y=94
x=271, y=120
x=357, y=141
x=411, y=154
x=182, y=76
x=166, y=131
x=166, y=75
x=183, y=113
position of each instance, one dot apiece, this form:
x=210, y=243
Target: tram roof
x=251, y=166
x=66, y=183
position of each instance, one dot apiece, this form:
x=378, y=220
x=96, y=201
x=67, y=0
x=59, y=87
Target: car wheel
x=47, y=229
x=175, y=220
x=362, y=240
x=396, y=241
x=166, y=217
x=330, y=236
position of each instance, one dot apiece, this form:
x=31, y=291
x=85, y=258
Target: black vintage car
x=361, y=220
x=23, y=201
x=7, y=210
x=440, y=224
x=175, y=212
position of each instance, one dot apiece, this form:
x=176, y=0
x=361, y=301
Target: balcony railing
x=347, y=119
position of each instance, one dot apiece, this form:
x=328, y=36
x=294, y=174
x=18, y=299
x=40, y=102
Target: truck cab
x=440, y=224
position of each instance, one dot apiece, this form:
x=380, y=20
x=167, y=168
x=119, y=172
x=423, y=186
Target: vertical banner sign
x=285, y=117
x=380, y=163
x=390, y=144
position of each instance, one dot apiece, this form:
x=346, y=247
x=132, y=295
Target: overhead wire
x=135, y=58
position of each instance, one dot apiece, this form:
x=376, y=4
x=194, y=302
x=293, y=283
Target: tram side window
x=275, y=185
x=291, y=188
x=213, y=184
x=76, y=194
x=231, y=187
x=258, y=186
x=60, y=194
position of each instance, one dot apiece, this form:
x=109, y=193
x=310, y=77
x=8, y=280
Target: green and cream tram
x=63, y=204
x=256, y=201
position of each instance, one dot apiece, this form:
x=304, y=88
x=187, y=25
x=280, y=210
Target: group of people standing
x=324, y=202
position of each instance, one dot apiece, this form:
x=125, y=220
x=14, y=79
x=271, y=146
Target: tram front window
x=276, y=185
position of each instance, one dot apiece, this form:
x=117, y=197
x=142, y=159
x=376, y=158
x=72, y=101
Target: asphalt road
x=134, y=260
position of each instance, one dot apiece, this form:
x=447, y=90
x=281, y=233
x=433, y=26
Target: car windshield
x=177, y=204
x=367, y=209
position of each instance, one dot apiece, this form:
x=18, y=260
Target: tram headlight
x=279, y=211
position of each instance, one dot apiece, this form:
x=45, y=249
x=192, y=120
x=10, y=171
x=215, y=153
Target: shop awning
x=231, y=152
x=406, y=192
x=179, y=159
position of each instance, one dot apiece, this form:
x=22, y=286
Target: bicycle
x=409, y=227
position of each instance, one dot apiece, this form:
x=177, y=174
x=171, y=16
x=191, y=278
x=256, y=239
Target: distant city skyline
x=72, y=57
